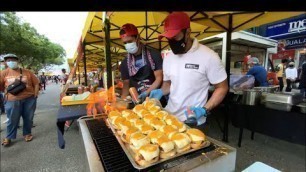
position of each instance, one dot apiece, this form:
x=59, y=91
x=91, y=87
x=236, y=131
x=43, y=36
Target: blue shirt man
x=259, y=72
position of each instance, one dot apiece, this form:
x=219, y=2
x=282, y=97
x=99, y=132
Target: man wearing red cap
x=142, y=68
x=188, y=71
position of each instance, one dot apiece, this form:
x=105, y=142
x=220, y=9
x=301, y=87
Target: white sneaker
x=4, y=122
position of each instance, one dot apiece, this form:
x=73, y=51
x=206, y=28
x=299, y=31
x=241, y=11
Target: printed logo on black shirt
x=191, y=66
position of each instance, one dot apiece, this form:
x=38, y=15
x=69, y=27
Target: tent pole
x=146, y=26
x=79, y=77
x=228, y=46
x=108, y=52
x=160, y=46
x=84, y=62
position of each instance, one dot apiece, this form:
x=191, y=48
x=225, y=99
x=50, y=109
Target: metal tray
x=130, y=154
x=278, y=106
x=285, y=98
x=302, y=107
x=270, y=89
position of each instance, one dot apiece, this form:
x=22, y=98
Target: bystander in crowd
x=21, y=104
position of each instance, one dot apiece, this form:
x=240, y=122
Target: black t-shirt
x=43, y=78
x=144, y=77
x=303, y=77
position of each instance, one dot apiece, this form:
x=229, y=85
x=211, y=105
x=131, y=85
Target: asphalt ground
x=42, y=154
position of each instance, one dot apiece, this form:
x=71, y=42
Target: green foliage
x=34, y=50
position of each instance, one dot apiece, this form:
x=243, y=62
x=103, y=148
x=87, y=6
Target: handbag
x=17, y=86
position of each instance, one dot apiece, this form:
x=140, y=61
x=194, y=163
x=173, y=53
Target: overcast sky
x=64, y=28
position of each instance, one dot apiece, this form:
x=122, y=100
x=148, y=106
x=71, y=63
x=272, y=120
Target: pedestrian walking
x=2, y=67
x=56, y=79
x=64, y=78
x=43, y=80
x=280, y=68
x=291, y=76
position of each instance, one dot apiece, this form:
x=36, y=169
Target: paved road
x=43, y=154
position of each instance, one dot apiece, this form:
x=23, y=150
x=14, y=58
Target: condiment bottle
x=134, y=95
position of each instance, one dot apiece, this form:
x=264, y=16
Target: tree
x=34, y=50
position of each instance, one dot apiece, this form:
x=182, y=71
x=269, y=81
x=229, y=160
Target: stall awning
x=150, y=24
x=93, y=39
x=245, y=39
x=240, y=20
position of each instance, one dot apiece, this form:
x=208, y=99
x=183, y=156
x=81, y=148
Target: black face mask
x=178, y=47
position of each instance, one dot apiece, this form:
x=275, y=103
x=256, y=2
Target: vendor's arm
x=126, y=79
x=251, y=71
x=158, y=81
x=218, y=95
x=218, y=78
x=166, y=87
x=158, y=71
x=164, y=90
x=125, y=89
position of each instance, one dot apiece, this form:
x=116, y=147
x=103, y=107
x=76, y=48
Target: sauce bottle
x=134, y=95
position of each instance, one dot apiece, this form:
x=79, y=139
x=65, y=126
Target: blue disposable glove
x=196, y=117
x=142, y=96
x=156, y=94
x=198, y=111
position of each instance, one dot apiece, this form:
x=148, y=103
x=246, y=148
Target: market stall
x=257, y=117
x=102, y=144
x=243, y=43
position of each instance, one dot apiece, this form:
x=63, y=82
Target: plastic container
x=241, y=82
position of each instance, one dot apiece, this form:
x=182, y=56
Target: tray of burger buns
x=150, y=135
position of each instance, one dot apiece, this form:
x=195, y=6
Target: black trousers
x=44, y=85
x=289, y=87
x=2, y=110
x=281, y=83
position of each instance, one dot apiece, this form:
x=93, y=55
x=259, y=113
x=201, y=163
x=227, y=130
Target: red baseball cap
x=174, y=23
x=130, y=30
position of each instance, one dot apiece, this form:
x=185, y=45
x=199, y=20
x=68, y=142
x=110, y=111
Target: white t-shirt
x=190, y=75
x=291, y=73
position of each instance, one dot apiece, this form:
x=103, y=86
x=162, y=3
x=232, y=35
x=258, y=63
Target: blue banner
x=287, y=28
x=298, y=42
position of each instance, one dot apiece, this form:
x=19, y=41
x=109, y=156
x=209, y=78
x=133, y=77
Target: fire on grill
x=104, y=101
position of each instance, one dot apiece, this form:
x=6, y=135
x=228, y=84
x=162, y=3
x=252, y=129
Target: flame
x=89, y=109
x=103, y=101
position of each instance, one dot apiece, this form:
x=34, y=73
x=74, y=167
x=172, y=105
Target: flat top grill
x=110, y=151
x=114, y=158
